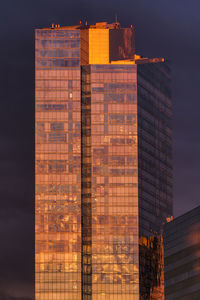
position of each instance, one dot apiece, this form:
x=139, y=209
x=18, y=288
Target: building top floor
x=101, y=43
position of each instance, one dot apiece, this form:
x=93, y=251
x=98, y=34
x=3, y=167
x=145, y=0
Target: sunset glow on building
x=103, y=158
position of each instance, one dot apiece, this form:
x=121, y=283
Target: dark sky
x=163, y=28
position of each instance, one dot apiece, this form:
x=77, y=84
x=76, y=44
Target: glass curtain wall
x=114, y=182
x=58, y=165
x=155, y=173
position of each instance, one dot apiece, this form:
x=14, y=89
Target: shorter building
x=182, y=257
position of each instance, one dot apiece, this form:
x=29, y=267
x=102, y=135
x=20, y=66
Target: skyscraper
x=182, y=259
x=103, y=165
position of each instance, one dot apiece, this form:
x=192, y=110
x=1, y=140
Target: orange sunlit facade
x=103, y=165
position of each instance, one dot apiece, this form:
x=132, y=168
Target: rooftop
x=81, y=25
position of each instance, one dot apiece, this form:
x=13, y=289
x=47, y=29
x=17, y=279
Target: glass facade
x=182, y=259
x=155, y=173
x=114, y=182
x=58, y=165
x=103, y=166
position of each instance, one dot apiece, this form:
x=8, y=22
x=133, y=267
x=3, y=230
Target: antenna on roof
x=116, y=21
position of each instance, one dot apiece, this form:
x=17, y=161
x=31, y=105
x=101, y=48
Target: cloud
x=162, y=29
x=5, y=296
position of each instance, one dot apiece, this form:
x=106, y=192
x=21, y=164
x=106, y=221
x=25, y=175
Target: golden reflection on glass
x=58, y=166
x=114, y=183
x=102, y=163
x=152, y=267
